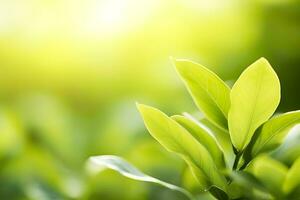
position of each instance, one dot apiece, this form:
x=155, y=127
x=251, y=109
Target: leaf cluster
x=225, y=150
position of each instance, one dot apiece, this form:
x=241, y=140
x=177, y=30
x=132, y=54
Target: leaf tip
x=264, y=62
x=177, y=63
x=175, y=117
x=142, y=108
x=172, y=59
x=137, y=104
x=263, y=59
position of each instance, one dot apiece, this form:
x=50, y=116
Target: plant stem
x=236, y=161
x=244, y=166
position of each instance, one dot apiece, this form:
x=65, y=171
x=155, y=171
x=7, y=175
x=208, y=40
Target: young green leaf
x=209, y=92
x=223, y=139
x=292, y=180
x=202, y=135
x=254, y=98
x=126, y=169
x=273, y=132
x=271, y=173
x=176, y=139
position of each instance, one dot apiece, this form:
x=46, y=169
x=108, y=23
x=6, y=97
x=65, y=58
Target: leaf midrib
x=208, y=94
x=184, y=153
x=258, y=86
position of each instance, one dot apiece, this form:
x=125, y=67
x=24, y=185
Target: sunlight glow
x=107, y=16
x=117, y=16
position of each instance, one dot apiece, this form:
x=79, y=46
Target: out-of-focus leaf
x=11, y=133
x=274, y=131
x=176, y=139
x=202, y=135
x=289, y=151
x=126, y=169
x=219, y=194
x=245, y=186
x=271, y=173
x=254, y=98
x=191, y=184
x=58, y=133
x=209, y=92
x=292, y=180
x=35, y=161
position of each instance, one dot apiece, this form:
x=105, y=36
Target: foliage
x=243, y=113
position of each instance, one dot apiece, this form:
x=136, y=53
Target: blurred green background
x=71, y=72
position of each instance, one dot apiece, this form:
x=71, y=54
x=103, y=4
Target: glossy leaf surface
x=126, y=169
x=209, y=92
x=176, y=139
x=203, y=135
x=254, y=98
x=274, y=132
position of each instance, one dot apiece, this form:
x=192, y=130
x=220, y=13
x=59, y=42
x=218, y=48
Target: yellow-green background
x=71, y=72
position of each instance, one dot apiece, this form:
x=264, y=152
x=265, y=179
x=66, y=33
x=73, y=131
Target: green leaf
x=254, y=98
x=202, y=135
x=223, y=139
x=274, y=131
x=289, y=151
x=126, y=169
x=191, y=183
x=245, y=185
x=292, y=180
x=176, y=139
x=209, y=92
x=218, y=194
x=271, y=173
